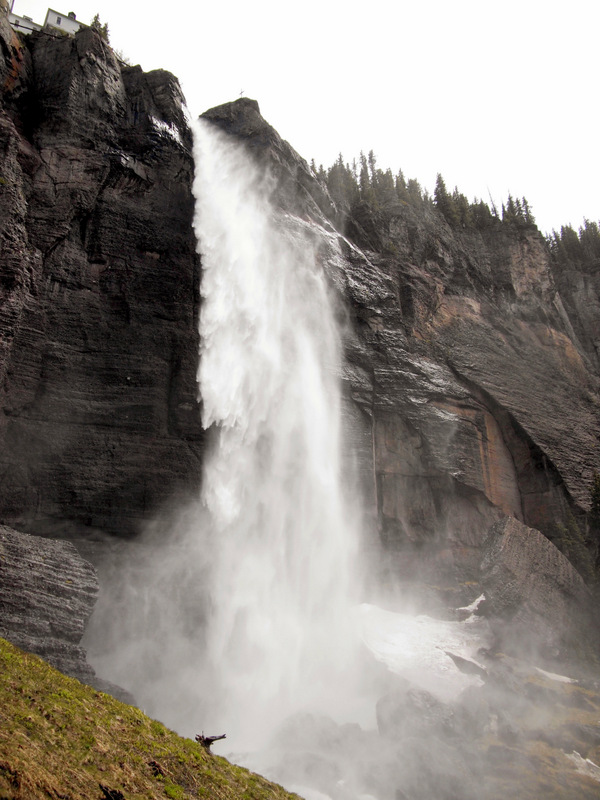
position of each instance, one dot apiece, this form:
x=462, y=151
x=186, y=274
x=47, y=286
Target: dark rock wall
x=482, y=400
x=99, y=290
x=537, y=599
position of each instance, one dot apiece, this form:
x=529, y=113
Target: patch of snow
x=585, y=766
x=554, y=677
x=415, y=647
x=472, y=607
x=166, y=129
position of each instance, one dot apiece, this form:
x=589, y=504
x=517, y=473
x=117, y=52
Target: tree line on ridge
x=371, y=196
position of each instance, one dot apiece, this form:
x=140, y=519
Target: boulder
x=535, y=598
x=411, y=711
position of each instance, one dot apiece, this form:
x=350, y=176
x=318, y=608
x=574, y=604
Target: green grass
x=60, y=739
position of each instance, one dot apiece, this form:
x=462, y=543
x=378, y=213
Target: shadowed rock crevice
x=542, y=494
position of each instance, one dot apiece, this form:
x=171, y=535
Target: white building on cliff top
x=55, y=20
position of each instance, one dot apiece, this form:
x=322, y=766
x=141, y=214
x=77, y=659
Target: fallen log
x=206, y=741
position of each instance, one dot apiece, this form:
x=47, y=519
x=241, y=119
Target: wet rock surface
x=99, y=303
x=521, y=728
x=47, y=595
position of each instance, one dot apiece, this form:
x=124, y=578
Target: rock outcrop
x=99, y=290
x=475, y=384
x=538, y=600
x=47, y=593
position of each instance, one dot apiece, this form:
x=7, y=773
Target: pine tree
x=481, y=215
x=372, y=169
x=400, y=183
x=462, y=208
x=528, y=216
x=589, y=238
x=100, y=28
x=445, y=203
x=570, y=242
x=509, y=211
x=364, y=181
x=414, y=191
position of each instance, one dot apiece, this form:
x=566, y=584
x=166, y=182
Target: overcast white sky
x=497, y=97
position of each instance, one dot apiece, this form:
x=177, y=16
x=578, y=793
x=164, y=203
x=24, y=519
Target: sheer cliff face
x=98, y=289
x=482, y=399
x=470, y=374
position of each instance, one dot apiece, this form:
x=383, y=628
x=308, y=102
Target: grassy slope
x=60, y=739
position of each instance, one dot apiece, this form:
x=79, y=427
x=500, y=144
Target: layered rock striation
x=47, y=593
x=99, y=289
x=483, y=402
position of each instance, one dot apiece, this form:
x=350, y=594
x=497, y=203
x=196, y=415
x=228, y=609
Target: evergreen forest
x=368, y=198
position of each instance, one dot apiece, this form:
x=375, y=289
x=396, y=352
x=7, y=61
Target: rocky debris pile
x=524, y=730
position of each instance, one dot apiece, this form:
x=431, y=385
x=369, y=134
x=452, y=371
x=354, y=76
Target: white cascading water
x=283, y=532
x=246, y=613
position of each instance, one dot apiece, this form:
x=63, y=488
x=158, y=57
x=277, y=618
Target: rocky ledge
x=47, y=593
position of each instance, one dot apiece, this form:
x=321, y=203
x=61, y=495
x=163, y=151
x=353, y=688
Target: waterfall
x=282, y=530
x=241, y=611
